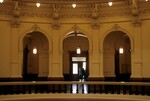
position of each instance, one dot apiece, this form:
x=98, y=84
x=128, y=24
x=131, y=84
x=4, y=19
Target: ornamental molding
x=137, y=22
x=15, y=23
x=55, y=25
x=56, y=11
x=116, y=27
x=95, y=25
x=35, y=27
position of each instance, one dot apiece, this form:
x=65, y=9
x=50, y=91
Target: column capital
x=137, y=22
x=15, y=23
x=95, y=25
x=56, y=25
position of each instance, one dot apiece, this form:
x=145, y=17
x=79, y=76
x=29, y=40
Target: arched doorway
x=117, y=56
x=73, y=62
x=35, y=56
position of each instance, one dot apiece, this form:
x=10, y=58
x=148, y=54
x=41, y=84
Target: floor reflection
x=79, y=88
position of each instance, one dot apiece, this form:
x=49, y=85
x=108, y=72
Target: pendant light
x=78, y=50
x=34, y=50
x=121, y=50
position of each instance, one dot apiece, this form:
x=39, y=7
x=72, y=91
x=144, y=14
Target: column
x=56, y=69
x=95, y=70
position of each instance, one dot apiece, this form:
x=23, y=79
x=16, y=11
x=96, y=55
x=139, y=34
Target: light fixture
x=121, y=50
x=110, y=3
x=1, y=1
x=38, y=4
x=146, y=0
x=34, y=51
x=78, y=50
x=74, y=5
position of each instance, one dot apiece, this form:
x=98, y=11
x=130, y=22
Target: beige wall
x=11, y=43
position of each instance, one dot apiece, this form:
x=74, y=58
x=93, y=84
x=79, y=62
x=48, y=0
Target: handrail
x=75, y=82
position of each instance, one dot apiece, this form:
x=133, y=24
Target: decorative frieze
x=94, y=11
x=56, y=11
x=17, y=9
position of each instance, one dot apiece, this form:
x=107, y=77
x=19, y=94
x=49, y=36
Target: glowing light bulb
x=74, y=5
x=38, y=4
x=34, y=51
x=110, y=3
x=121, y=50
x=78, y=50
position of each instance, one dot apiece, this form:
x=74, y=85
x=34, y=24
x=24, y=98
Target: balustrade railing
x=130, y=88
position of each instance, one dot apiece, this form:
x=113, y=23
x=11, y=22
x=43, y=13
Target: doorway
x=79, y=66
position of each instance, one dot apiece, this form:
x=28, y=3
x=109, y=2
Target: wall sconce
x=34, y=51
x=78, y=50
x=121, y=50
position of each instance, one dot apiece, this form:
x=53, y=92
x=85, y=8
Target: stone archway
x=35, y=65
x=70, y=44
x=117, y=65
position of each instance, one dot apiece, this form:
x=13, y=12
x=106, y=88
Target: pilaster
x=95, y=70
x=137, y=61
x=15, y=69
x=56, y=70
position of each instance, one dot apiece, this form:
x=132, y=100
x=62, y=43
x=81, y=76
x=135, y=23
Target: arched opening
x=35, y=56
x=117, y=56
x=73, y=62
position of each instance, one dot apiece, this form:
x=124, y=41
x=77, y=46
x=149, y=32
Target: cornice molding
x=58, y=11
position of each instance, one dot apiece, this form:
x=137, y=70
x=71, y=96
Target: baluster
x=24, y=89
x=94, y=88
x=59, y=86
x=100, y=89
x=70, y=88
x=106, y=89
x=53, y=88
x=65, y=88
x=17, y=89
x=130, y=89
x=89, y=88
x=148, y=92
x=77, y=90
x=118, y=89
x=136, y=90
x=143, y=90
x=112, y=89
x=82, y=88
x=29, y=89
x=124, y=89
